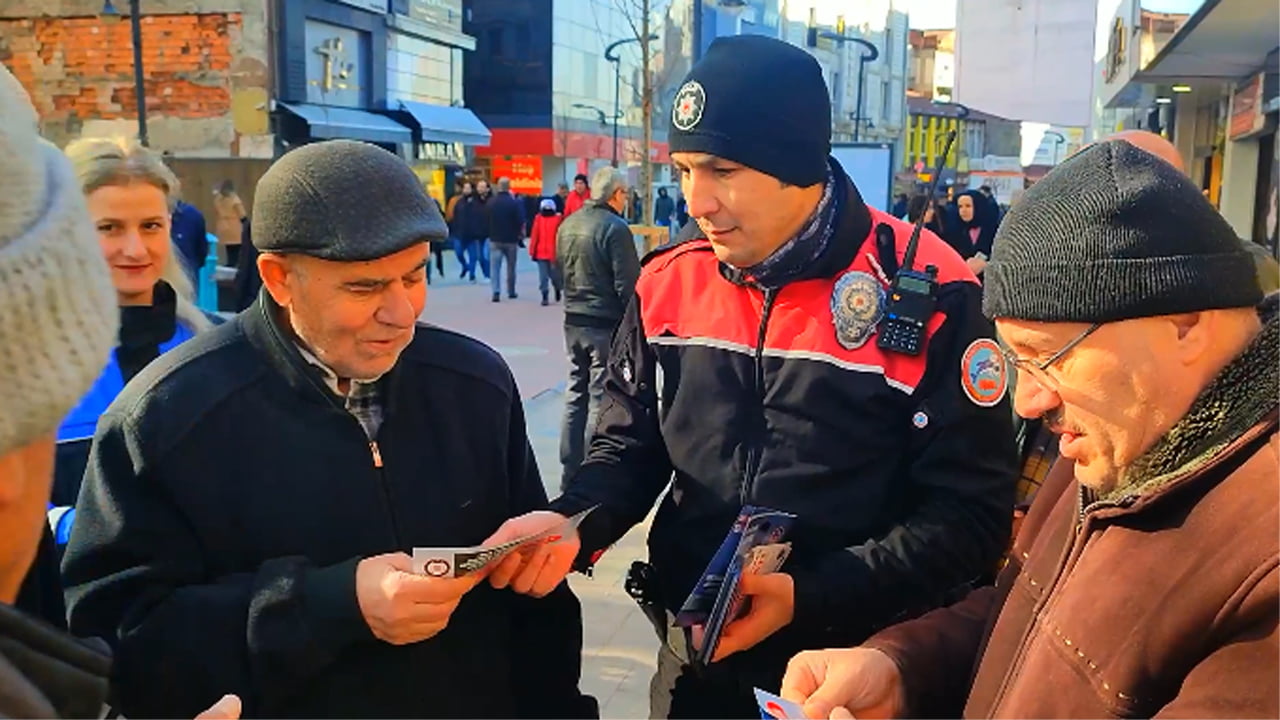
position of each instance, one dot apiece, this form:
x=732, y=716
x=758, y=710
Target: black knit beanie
x=760, y=102
x=1115, y=233
x=342, y=200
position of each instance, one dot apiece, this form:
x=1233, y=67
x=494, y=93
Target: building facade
x=427, y=51
x=985, y=143
x=552, y=101
x=205, y=62
x=1210, y=82
x=933, y=64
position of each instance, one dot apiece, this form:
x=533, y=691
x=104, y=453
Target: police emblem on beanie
x=857, y=305
x=690, y=102
x=759, y=102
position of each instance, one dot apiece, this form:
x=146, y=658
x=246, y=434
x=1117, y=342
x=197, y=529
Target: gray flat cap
x=342, y=200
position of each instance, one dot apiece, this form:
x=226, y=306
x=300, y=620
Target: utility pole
x=646, y=104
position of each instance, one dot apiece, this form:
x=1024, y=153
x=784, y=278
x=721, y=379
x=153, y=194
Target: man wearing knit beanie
x=1144, y=580
x=252, y=498
x=785, y=388
x=58, y=323
x=57, y=326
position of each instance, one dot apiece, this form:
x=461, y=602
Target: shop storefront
x=426, y=53
x=328, y=82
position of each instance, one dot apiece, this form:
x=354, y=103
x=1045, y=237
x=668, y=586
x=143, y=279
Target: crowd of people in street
x=1029, y=457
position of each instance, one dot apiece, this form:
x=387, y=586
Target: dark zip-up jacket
x=597, y=257
x=215, y=565
x=902, y=485
x=506, y=219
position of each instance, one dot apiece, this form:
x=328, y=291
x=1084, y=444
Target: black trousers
x=723, y=689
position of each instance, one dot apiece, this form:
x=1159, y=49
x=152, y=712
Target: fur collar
x=1240, y=397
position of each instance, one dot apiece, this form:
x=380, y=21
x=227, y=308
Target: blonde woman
x=130, y=194
x=229, y=223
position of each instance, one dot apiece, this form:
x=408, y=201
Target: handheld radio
x=913, y=294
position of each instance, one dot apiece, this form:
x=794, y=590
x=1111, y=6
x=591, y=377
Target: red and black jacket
x=903, y=485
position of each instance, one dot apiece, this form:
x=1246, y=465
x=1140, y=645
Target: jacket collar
x=266, y=331
x=603, y=205
x=853, y=225
x=70, y=675
x=1240, y=403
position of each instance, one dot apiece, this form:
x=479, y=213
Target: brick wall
x=79, y=72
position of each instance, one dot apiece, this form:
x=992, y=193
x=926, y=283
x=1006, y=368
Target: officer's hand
x=535, y=570
x=976, y=264
x=857, y=682
x=402, y=607
x=773, y=599
x=228, y=708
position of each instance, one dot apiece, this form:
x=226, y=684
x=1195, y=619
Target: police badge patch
x=857, y=304
x=984, y=375
x=686, y=112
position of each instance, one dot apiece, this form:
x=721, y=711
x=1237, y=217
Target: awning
x=1223, y=40
x=337, y=122
x=441, y=123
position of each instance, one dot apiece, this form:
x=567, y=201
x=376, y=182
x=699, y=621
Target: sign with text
x=524, y=171
x=441, y=12
x=1247, y=117
x=375, y=6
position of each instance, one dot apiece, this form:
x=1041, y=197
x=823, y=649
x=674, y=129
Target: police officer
x=764, y=318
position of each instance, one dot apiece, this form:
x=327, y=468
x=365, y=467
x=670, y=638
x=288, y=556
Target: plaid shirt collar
x=363, y=399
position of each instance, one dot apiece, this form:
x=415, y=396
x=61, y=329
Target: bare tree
x=560, y=138
x=637, y=14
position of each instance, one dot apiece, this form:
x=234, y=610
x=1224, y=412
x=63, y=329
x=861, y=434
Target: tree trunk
x=646, y=95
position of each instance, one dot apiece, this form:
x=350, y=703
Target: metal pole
x=139, y=89
x=872, y=53
x=697, y=30
x=862, y=77
x=617, y=107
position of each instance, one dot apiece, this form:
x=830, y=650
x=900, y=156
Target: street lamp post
x=139, y=89
x=870, y=53
x=1057, y=144
x=599, y=113
x=612, y=57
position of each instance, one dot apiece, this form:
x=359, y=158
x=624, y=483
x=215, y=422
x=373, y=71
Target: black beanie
x=342, y=200
x=1115, y=233
x=760, y=102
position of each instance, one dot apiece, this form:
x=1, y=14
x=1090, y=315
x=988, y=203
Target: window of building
x=591, y=77
x=495, y=41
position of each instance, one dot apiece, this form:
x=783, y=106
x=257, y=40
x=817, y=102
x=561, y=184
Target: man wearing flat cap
x=1144, y=581
x=765, y=322
x=278, y=568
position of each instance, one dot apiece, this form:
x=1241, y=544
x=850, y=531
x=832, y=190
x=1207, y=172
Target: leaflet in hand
x=457, y=562
x=773, y=707
x=753, y=545
x=755, y=526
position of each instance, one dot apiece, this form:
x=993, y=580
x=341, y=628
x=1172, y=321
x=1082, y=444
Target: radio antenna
x=910, y=257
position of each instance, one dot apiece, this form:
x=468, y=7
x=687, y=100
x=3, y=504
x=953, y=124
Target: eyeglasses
x=1039, y=370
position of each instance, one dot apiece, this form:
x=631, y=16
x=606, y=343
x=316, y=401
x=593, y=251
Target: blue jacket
x=76, y=433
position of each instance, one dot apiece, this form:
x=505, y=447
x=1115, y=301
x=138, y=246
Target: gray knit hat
x=58, y=310
x=1115, y=233
x=342, y=200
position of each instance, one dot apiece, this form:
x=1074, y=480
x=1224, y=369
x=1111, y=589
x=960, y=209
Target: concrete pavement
x=619, y=645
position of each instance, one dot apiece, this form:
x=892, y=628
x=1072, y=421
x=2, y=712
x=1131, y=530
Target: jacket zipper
x=376, y=454
x=1082, y=513
x=756, y=448
x=374, y=451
